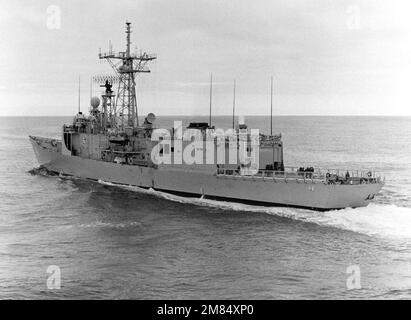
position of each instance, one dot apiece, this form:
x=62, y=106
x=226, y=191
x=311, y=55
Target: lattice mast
x=126, y=67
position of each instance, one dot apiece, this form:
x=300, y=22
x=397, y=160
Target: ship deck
x=326, y=176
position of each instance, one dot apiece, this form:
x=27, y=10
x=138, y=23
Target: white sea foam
x=382, y=220
x=100, y=224
x=376, y=219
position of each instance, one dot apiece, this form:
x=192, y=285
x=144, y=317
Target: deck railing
x=328, y=176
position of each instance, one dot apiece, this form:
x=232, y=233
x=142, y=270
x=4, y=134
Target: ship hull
x=307, y=194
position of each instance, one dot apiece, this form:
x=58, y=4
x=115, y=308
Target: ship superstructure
x=111, y=145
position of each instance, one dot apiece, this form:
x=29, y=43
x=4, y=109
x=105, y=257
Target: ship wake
x=42, y=171
x=380, y=220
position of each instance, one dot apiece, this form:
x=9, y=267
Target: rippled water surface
x=124, y=242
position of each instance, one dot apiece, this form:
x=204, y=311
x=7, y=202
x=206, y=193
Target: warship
x=110, y=144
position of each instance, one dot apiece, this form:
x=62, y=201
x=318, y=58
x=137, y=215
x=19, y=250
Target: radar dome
x=151, y=117
x=95, y=102
x=241, y=120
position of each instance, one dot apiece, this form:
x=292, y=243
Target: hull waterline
x=265, y=191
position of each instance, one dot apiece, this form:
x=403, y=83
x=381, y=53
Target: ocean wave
x=381, y=220
x=42, y=171
x=101, y=224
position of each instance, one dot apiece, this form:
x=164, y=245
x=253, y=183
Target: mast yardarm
x=126, y=65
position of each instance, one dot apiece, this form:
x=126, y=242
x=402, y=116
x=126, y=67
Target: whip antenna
x=79, y=94
x=233, y=104
x=271, y=115
x=211, y=96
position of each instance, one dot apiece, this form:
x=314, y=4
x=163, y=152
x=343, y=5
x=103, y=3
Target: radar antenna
x=128, y=65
